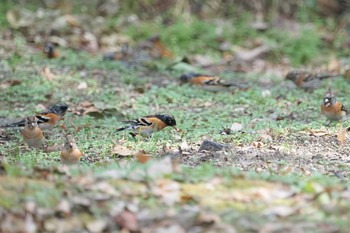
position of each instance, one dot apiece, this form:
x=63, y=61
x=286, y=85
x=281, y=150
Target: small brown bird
x=70, y=153
x=332, y=109
x=122, y=54
x=207, y=82
x=306, y=79
x=50, y=50
x=148, y=124
x=47, y=119
x=32, y=134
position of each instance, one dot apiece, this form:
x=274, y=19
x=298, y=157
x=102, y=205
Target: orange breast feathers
x=34, y=133
x=54, y=54
x=299, y=81
x=53, y=118
x=71, y=156
x=335, y=108
x=157, y=124
x=201, y=80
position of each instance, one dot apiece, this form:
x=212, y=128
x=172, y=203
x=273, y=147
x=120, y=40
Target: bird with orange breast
x=50, y=50
x=147, y=125
x=209, y=82
x=308, y=80
x=70, y=153
x=332, y=109
x=32, y=134
x=47, y=119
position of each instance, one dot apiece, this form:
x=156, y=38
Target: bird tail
x=240, y=86
x=15, y=124
x=122, y=128
x=325, y=76
x=109, y=56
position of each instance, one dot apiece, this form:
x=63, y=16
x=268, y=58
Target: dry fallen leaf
x=249, y=55
x=20, y=17
x=63, y=208
x=341, y=136
x=96, y=109
x=206, y=218
x=47, y=74
x=127, y=221
x=82, y=85
x=317, y=132
x=168, y=191
x=334, y=65
x=280, y=211
x=236, y=127
x=257, y=144
x=122, y=150
x=96, y=226
x=88, y=42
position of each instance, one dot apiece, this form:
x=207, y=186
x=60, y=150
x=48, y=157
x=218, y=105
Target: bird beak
x=32, y=124
x=176, y=129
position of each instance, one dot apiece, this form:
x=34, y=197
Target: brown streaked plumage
x=208, y=82
x=148, y=124
x=306, y=79
x=332, y=109
x=32, y=134
x=118, y=55
x=47, y=119
x=70, y=153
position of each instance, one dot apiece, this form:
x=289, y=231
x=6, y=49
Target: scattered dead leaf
x=208, y=218
x=122, y=150
x=47, y=74
x=249, y=55
x=82, y=85
x=257, y=144
x=341, y=136
x=96, y=226
x=280, y=211
x=168, y=191
x=334, y=66
x=63, y=208
x=127, y=221
x=317, y=132
x=89, y=42
x=20, y=17
x=96, y=109
x=236, y=127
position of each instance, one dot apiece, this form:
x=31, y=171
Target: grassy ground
x=285, y=170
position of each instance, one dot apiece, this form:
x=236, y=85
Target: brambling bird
x=146, y=125
x=47, y=119
x=118, y=55
x=306, y=79
x=160, y=47
x=32, y=134
x=207, y=82
x=70, y=153
x=50, y=50
x=332, y=109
